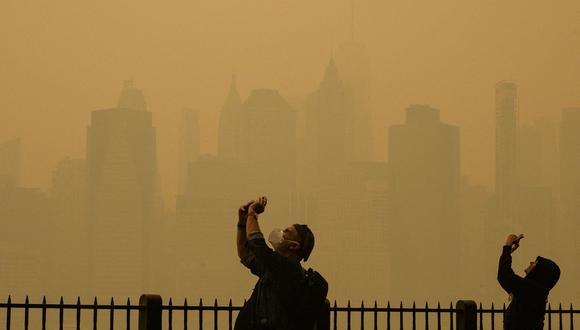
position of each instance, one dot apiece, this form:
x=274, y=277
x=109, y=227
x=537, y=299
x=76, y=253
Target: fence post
x=466, y=317
x=323, y=320
x=150, y=312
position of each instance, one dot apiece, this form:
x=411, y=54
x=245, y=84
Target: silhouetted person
x=529, y=294
x=281, y=299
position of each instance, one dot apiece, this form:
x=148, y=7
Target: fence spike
x=571, y=317
x=388, y=304
x=185, y=302
x=170, y=301
x=215, y=303
x=95, y=301
x=78, y=300
x=128, y=301
x=362, y=304
x=61, y=300
x=413, y=304
x=43, y=300
x=230, y=304
x=200, y=302
x=348, y=305
x=335, y=304
x=375, y=304
x=26, y=300
x=9, y=299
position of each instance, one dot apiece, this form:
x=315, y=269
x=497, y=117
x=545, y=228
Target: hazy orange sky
x=60, y=60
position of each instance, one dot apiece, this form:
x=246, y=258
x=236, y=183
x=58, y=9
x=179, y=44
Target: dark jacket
x=273, y=304
x=529, y=295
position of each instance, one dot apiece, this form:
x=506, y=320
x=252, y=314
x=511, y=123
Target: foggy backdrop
x=375, y=122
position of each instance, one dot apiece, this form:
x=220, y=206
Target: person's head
x=544, y=271
x=295, y=241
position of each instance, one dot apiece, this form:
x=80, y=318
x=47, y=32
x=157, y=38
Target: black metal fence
x=153, y=315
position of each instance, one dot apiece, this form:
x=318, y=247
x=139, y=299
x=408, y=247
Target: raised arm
x=241, y=238
x=510, y=281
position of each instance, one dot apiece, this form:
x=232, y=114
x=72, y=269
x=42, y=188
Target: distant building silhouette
x=329, y=119
x=206, y=217
x=131, y=97
x=506, y=151
x=189, y=143
x=423, y=202
x=10, y=163
x=122, y=196
x=536, y=204
x=268, y=147
x=353, y=60
x=229, y=124
x=69, y=226
x=25, y=247
x=570, y=190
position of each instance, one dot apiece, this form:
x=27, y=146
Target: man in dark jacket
x=529, y=294
x=276, y=296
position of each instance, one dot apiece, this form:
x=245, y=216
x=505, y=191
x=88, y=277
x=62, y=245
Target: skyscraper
x=268, y=147
x=10, y=163
x=329, y=118
x=229, y=125
x=423, y=202
x=67, y=201
x=122, y=196
x=570, y=191
x=506, y=151
x=189, y=138
x=353, y=60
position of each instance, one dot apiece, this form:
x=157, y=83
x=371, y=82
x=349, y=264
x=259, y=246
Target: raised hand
x=243, y=212
x=258, y=206
x=513, y=241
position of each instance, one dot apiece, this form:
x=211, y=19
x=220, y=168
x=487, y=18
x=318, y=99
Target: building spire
x=331, y=72
x=233, y=100
x=131, y=97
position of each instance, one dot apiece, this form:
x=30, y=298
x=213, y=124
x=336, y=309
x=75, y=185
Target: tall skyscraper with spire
x=506, y=151
x=329, y=128
x=229, y=124
x=354, y=64
x=268, y=147
x=122, y=196
x=189, y=140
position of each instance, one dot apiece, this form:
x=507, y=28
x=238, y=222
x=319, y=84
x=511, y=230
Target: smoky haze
x=412, y=136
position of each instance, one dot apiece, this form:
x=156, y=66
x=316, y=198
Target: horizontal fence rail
x=150, y=312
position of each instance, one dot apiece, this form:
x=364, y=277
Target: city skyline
x=410, y=137
x=448, y=63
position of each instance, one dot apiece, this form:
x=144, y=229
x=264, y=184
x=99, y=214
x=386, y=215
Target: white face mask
x=276, y=238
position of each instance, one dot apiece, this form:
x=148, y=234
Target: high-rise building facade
x=506, y=151
x=10, y=163
x=329, y=119
x=354, y=63
x=189, y=143
x=570, y=192
x=122, y=196
x=268, y=147
x=229, y=124
x=423, y=203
